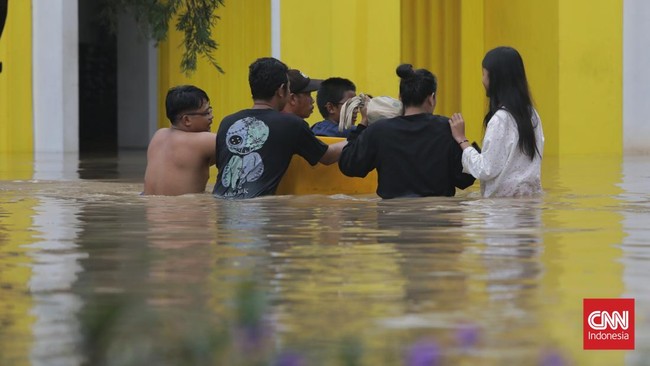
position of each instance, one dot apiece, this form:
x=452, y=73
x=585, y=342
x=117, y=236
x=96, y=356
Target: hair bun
x=405, y=71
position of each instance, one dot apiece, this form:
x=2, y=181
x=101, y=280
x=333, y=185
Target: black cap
x=301, y=83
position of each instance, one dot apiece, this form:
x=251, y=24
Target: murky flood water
x=92, y=273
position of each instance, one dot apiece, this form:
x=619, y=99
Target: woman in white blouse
x=510, y=162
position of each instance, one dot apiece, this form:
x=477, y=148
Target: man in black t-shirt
x=255, y=146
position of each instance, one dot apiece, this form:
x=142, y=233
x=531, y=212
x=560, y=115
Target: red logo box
x=608, y=323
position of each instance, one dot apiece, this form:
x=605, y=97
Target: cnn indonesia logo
x=608, y=323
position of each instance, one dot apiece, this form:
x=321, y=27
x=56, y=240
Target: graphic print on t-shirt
x=243, y=138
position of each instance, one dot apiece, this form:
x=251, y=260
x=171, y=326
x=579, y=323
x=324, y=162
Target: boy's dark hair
x=265, y=76
x=415, y=85
x=331, y=91
x=183, y=98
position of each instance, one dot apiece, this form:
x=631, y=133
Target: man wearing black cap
x=300, y=100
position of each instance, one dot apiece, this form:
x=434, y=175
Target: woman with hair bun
x=415, y=154
x=510, y=163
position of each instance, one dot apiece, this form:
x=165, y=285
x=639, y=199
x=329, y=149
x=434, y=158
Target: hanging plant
x=196, y=19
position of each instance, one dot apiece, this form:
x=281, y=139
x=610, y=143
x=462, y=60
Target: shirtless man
x=179, y=157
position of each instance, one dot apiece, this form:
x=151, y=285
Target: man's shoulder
x=265, y=115
x=387, y=121
x=385, y=124
x=188, y=138
x=161, y=131
x=440, y=122
x=285, y=116
x=204, y=135
x=324, y=126
x=237, y=115
x=440, y=118
x=160, y=135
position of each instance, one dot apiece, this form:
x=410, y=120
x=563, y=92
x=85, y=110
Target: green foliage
x=194, y=18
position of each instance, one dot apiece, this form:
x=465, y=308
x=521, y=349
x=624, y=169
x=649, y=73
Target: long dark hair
x=508, y=89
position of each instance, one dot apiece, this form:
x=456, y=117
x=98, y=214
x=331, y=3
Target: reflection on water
x=55, y=265
x=93, y=273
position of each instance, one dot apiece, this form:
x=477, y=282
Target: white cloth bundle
x=383, y=107
x=378, y=108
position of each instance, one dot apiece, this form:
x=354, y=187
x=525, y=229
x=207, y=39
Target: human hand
x=457, y=127
x=364, y=109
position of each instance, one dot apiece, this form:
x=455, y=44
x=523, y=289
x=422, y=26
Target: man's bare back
x=178, y=162
x=179, y=158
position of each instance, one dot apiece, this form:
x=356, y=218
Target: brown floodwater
x=92, y=273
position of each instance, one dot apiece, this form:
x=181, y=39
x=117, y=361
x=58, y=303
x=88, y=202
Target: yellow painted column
x=590, y=76
x=448, y=38
x=358, y=40
x=16, y=130
x=532, y=28
x=431, y=39
x=574, y=67
x=472, y=49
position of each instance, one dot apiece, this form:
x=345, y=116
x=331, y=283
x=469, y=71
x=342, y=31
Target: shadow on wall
x=3, y=19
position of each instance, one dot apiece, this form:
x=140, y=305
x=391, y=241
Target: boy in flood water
x=179, y=157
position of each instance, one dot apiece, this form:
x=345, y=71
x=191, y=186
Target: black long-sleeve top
x=414, y=156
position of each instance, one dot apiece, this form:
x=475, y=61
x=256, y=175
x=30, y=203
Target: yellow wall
x=472, y=38
x=591, y=76
x=573, y=62
x=532, y=28
x=574, y=67
x=431, y=40
x=240, y=43
x=358, y=40
x=16, y=131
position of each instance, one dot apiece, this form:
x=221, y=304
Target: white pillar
x=55, y=267
x=55, y=75
x=636, y=75
x=275, y=28
x=137, y=86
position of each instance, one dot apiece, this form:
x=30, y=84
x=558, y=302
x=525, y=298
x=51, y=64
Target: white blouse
x=502, y=169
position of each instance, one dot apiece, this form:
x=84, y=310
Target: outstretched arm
x=358, y=157
x=497, y=142
x=333, y=153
